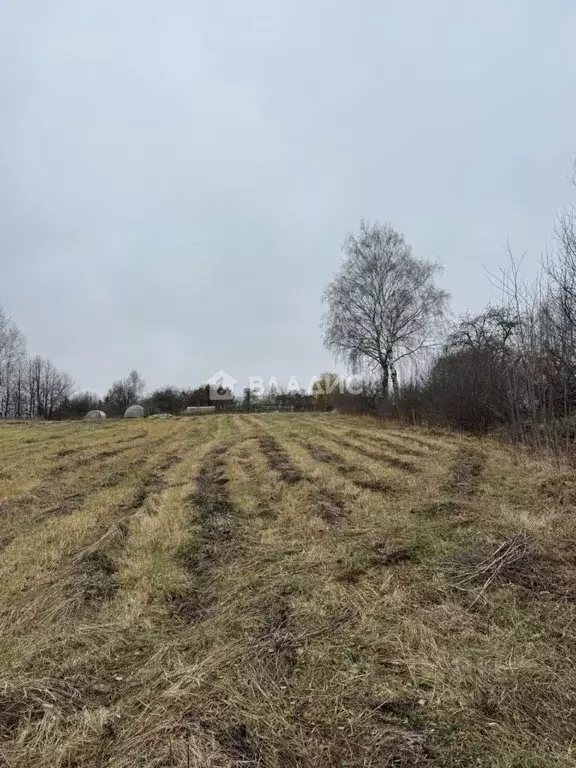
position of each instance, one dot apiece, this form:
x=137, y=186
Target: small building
x=95, y=416
x=134, y=412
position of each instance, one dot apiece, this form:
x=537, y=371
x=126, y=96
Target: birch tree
x=383, y=306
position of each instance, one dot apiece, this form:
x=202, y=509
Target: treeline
x=510, y=368
x=130, y=391
x=30, y=386
x=174, y=401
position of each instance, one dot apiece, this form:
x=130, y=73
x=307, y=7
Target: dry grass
x=282, y=590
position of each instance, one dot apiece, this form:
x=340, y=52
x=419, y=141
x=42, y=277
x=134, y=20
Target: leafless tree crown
x=29, y=386
x=383, y=305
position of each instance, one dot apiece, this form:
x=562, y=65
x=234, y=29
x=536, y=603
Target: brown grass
x=283, y=590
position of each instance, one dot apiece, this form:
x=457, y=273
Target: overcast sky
x=176, y=177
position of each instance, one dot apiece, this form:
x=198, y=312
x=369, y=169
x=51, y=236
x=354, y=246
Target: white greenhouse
x=134, y=412
x=95, y=415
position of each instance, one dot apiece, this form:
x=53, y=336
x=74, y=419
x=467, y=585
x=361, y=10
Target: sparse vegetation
x=273, y=591
x=222, y=546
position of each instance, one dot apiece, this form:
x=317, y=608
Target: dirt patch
x=155, y=482
x=465, y=472
x=313, y=739
x=537, y=699
x=439, y=509
x=389, y=553
x=403, y=710
x=114, y=478
x=64, y=506
x=80, y=457
x=379, y=440
x=94, y=572
x=351, y=574
x=349, y=470
x=561, y=488
x=381, y=456
x=108, y=453
x=443, y=434
x=16, y=710
x=25, y=703
x=380, y=555
x=377, y=743
x=67, y=506
x=97, y=578
x=431, y=446
x=329, y=457
x=215, y=511
x=214, y=543
x=240, y=744
x=329, y=506
x=403, y=450
x=376, y=485
x=17, y=503
x=131, y=438
x=279, y=460
x=20, y=511
x=66, y=452
x=265, y=509
x=277, y=646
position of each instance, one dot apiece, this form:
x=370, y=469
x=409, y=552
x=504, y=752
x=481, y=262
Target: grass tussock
x=275, y=591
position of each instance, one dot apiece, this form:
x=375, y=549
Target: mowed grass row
x=282, y=590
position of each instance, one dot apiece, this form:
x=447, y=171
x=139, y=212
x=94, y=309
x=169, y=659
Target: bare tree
x=383, y=305
x=125, y=392
x=326, y=389
x=469, y=384
x=29, y=387
x=19, y=396
x=48, y=388
x=493, y=329
x=12, y=355
x=559, y=305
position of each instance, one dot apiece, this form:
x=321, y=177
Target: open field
x=282, y=590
